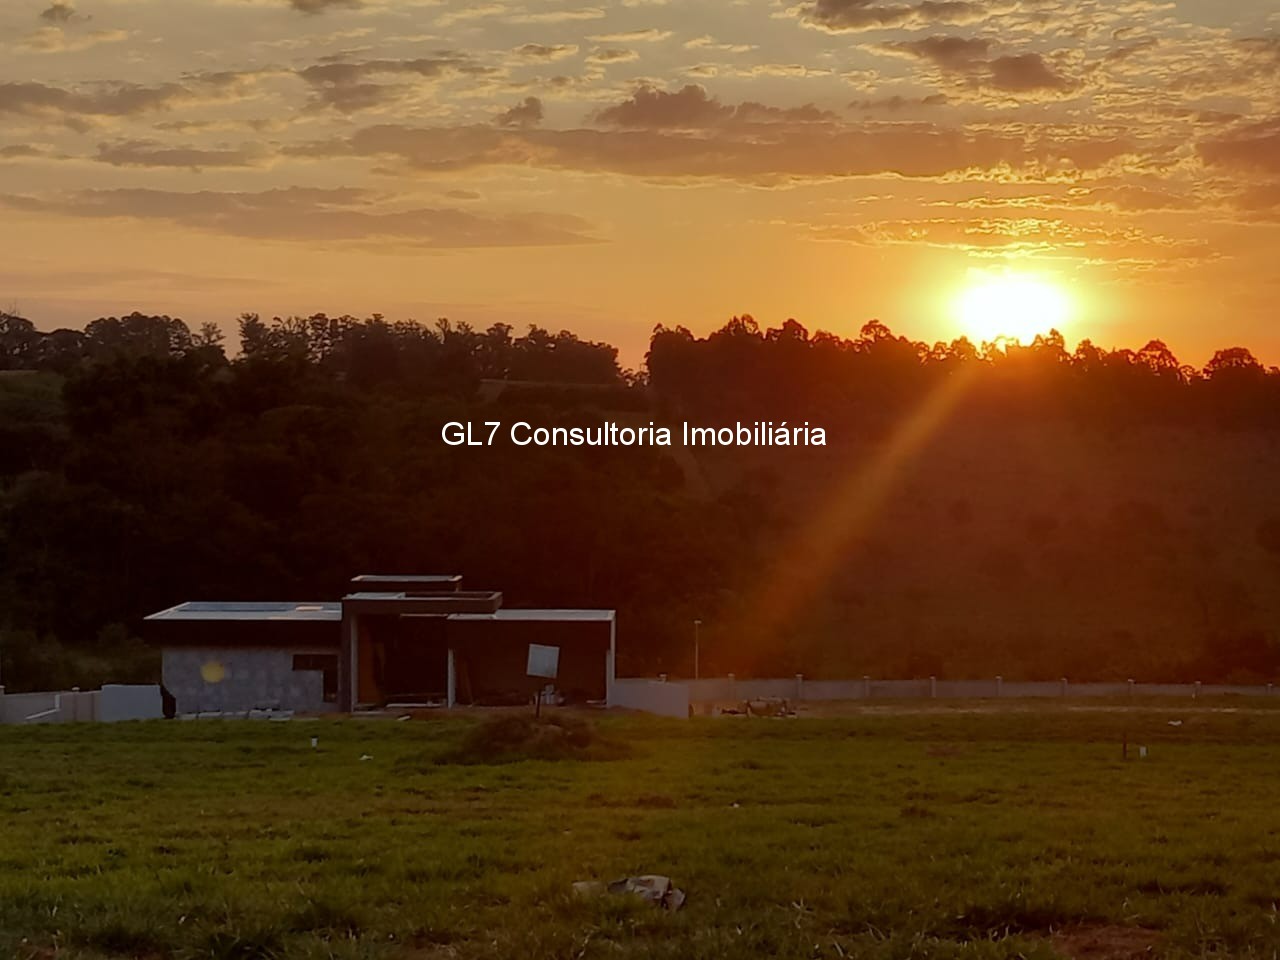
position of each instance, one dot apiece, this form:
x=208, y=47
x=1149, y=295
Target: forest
x=980, y=509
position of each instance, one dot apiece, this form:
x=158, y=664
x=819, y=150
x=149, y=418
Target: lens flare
x=1013, y=305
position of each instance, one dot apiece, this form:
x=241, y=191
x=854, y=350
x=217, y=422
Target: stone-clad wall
x=251, y=678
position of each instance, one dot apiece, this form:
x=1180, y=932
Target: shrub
x=512, y=737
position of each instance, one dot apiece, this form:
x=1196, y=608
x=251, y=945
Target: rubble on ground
x=653, y=888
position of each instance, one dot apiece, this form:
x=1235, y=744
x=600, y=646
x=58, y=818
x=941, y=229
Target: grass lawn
x=1012, y=833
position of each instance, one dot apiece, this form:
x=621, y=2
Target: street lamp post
x=696, y=625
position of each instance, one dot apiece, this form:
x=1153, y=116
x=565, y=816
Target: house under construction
x=393, y=640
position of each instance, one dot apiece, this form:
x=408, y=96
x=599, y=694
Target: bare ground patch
x=1106, y=942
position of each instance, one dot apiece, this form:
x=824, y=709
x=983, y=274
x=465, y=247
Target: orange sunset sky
x=606, y=165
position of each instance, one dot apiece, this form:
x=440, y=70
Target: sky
x=605, y=166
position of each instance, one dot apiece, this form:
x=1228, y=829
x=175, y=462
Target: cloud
x=691, y=108
x=687, y=136
x=1025, y=73
x=525, y=114
x=150, y=153
x=545, y=52
x=312, y=215
x=79, y=107
x=57, y=40
x=58, y=12
x=20, y=151
x=948, y=53
x=320, y=6
x=1030, y=236
x=1251, y=149
x=897, y=102
x=687, y=108
x=841, y=16
x=558, y=16
x=707, y=42
x=612, y=55
x=348, y=85
x=652, y=35
x=967, y=57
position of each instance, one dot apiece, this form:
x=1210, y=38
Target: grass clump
x=513, y=737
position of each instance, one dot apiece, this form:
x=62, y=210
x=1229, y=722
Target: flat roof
x=410, y=597
x=591, y=616
x=251, y=610
x=376, y=578
x=266, y=610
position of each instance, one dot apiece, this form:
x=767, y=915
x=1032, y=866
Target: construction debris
x=768, y=707
x=650, y=887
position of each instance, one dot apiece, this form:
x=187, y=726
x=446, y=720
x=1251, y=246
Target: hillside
x=1029, y=549
x=1021, y=511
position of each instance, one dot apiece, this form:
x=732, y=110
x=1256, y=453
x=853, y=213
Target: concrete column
x=451, y=680
x=611, y=660
x=348, y=664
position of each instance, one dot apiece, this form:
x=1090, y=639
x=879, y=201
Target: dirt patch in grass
x=1106, y=942
x=510, y=738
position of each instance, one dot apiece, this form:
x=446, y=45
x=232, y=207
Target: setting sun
x=1018, y=306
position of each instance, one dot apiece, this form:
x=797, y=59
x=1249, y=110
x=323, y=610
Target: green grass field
x=1017, y=833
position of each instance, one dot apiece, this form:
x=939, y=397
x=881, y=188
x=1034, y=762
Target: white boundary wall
x=113, y=702
x=673, y=698
x=651, y=696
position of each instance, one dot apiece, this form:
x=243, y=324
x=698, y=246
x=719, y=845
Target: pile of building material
x=653, y=888
x=759, y=707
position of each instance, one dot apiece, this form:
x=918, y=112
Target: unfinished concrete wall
x=17, y=707
x=121, y=701
x=239, y=679
x=49, y=707
x=800, y=689
x=755, y=689
x=896, y=689
x=651, y=696
x=712, y=688
x=831, y=690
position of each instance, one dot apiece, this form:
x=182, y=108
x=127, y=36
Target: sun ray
x=807, y=562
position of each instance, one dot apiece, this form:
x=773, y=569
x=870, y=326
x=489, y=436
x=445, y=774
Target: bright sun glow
x=1014, y=305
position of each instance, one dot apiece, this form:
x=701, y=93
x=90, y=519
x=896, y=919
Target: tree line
x=141, y=466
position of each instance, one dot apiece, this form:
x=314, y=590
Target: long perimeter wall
x=672, y=698
x=114, y=702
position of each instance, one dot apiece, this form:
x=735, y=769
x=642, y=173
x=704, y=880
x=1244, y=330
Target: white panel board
x=543, y=661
